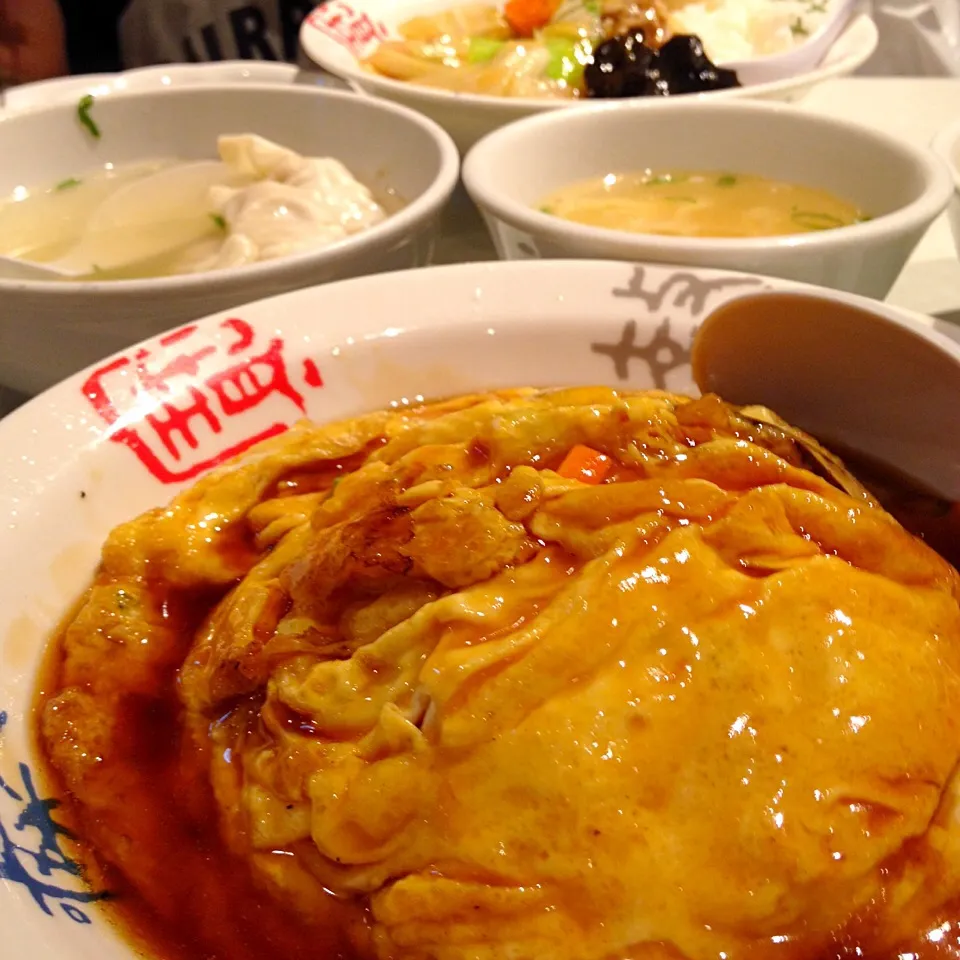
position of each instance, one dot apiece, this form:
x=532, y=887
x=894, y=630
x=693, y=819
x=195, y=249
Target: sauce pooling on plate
x=701, y=204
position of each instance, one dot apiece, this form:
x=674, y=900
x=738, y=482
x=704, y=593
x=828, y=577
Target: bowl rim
x=468, y=274
x=38, y=94
x=368, y=81
x=379, y=237
x=492, y=199
x=944, y=144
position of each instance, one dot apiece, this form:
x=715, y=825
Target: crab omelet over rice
x=707, y=707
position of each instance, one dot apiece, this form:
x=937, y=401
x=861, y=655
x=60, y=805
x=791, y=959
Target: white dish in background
x=339, y=35
x=116, y=440
x=904, y=188
x=49, y=329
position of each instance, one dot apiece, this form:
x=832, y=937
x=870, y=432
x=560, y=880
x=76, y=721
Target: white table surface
x=914, y=109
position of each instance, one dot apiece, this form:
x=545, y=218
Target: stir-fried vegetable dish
x=549, y=48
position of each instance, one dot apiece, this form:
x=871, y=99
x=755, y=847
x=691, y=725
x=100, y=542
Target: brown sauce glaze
x=323, y=476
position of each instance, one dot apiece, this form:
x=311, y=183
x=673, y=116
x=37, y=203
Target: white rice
x=734, y=30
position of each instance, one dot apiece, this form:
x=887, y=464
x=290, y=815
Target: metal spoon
x=864, y=380
x=802, y=58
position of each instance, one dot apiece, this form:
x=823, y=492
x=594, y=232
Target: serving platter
x=127, y=433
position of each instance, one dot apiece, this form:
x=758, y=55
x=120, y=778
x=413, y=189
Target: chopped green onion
x=483, y=49
x=798, y=29
x=727, y=180
x=219, y=222
x=812, y=220
x=83, y=112
x=546, y=209
x=67, y=184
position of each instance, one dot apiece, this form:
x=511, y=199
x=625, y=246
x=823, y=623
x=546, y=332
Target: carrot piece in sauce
x=585, y=464
x=525, y=17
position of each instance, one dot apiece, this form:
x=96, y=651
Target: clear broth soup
x=169, y=217
x=42, y=224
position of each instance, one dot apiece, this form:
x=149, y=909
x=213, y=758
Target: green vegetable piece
x=483, y=49
x=83, y=113
x=727, y=180
x=219, y=222
x=798, y=29
x=564, y=63
x=546, y=210
x=814, y=220
x=67, y=184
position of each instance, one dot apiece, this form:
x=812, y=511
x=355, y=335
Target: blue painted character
x=38, y=864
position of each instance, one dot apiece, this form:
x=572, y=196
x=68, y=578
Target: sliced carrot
x=525, y=17
x=585, y=464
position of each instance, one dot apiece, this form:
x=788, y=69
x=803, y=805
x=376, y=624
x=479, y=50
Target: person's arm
x=32, y=45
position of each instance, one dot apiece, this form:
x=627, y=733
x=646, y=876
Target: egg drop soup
x=701, y=204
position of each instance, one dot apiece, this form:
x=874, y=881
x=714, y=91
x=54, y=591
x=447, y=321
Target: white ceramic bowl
x=50, y=329
x=103, y=446
x=903, y=187
x=947, y=145
x=341, y=33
